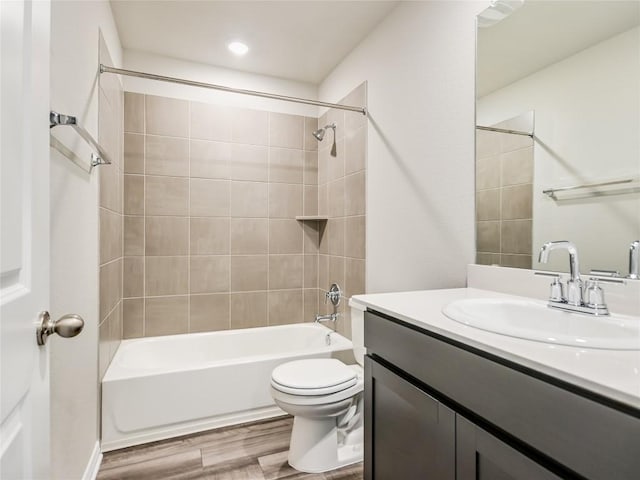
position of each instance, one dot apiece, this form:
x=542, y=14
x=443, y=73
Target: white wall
x=74, y=233
x=587, y=127
x=420, y=67
x=171, y=67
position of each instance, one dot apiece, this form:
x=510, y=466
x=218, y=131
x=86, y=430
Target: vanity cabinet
x=437, y=408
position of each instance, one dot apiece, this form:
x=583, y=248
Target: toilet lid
x=314, y=376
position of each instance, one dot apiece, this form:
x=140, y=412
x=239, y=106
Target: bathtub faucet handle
x=334, y=295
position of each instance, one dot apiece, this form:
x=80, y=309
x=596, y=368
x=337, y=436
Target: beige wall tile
x=310, y=271
x=111, y=180
x=488, y=204
x=488, y=236
x=336, y=236
x=354, y=191
x=488, y=143
x=487, y=172
x=355, y=237
x=110, y=286
x=209, y=313
x=354, y=283
x=517, y=202
x=336, y=272
x=323, y=204
x=166, y=156
x=210, y=274
x=249, y=199
x=516, y=261
x=335, y=165
x=133, y=277
x=516, y=236
x=285, y=306
x=323, y=164
x=488, y=258
x=133, y=153
x=517, y=166
x=110, y=235
x=166, y=316
x=323, y=272
x=310, y=126
x=166, y=196
x=133, y=112
x=211, y=122
x=515, y=142
x=134, y=194
x=310, y=200
x=166, y=235
x=285, y=236
x=248, y=310
x=285, y=200
x=210, y=159
x=166, y=275
x=209, y=236
x=286, y=130
x=335, y=198
x=312, y=232
x=250, y=127
x=249, y=236
x=310, y=308
x=209, y=198
x=249, y=273
x=132, y=318
x=285, y=271
x=355, y=146
x=323, y=237
x=249, y=162
x=286, y=165
x=133, y=235
x=310, y=174
x=166, y=116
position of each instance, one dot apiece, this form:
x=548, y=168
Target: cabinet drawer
x=587, y=437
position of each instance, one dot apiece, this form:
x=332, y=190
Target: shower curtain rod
x=504, y=130
x=151, y=76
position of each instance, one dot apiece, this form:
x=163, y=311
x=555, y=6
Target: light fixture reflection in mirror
x=584, y=90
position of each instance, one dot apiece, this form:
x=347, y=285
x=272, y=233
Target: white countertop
x=612, y=373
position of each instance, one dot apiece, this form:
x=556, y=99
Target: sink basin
x=535, y=321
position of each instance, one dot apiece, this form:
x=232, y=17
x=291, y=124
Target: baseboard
x=91, y=472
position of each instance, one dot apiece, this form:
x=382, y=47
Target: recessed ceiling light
x=238, y=48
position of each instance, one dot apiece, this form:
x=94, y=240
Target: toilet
x=325, y=397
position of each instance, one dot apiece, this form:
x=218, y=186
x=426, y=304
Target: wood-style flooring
x=253, y=451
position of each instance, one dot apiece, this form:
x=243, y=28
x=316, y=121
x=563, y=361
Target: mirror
x=569, y=73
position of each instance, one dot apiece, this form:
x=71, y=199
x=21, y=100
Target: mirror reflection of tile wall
x=504, y=190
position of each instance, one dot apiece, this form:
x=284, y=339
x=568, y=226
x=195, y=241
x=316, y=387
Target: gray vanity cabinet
x=436, y=408
x=481, y=456
x=414, y=433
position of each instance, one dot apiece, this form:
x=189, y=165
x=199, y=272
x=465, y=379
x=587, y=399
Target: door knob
x=66, y=326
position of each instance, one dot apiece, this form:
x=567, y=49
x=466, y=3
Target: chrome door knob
x=66, y=326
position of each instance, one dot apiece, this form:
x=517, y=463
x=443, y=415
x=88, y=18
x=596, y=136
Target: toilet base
x=316, y=446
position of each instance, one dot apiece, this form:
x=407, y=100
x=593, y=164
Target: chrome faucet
x=332, y=317
x=574, y=284
x=334, y=295
x=574, y=299
x=634, y=253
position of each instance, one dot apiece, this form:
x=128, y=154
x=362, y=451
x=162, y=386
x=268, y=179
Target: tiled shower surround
x=504, y=197
x=210, y=199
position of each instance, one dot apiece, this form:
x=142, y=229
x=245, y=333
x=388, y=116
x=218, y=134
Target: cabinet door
x=408, y=434
x=481, y=456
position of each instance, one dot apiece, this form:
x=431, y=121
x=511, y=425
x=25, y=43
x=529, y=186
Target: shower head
x=319, y=134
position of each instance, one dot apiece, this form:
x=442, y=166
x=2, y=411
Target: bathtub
x=161, y=387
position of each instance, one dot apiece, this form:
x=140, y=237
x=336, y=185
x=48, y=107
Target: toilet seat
x=311, y=377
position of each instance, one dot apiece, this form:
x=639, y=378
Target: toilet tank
x=357, y=331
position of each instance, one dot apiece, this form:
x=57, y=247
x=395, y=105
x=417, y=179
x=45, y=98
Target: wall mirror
x=568, y=73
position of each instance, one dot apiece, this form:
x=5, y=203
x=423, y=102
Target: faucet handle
x=556, y=290
x=594, y=295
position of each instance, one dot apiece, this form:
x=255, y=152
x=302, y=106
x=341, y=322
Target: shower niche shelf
x=312, y=218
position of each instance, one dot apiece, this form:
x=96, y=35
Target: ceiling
x=297, y=40
x=541, y=33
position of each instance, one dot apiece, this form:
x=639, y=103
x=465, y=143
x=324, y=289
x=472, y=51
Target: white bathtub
x=161, y=387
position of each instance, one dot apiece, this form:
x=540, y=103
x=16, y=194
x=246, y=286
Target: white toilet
x=325, y=396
